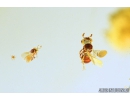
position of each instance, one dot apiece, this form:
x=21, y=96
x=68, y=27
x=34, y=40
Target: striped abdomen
x=84, y=56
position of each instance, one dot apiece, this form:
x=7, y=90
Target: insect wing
x=98, y=62
x=29, y=57
x=25, y=54
x=95, y=60
x=99, y=53
x=90, y=56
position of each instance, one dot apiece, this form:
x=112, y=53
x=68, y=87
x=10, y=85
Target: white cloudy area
x=58, y=67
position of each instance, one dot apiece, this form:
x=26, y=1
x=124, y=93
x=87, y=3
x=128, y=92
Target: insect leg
x=83, y=63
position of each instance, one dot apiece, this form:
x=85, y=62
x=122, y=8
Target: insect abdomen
x=84, y=56
x=86, y=59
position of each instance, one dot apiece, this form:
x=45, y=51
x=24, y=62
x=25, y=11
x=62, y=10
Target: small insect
x=29, y=56
x=87, y=54
x=13, y=57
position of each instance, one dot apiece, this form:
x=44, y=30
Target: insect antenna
x=39, y=47
x=90, y=35
x=83, y=35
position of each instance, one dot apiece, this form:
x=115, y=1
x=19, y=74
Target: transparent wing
x=29, y=57
x=90, y=57
x=95, y=60
x=99, y=53
x=25, y=54
x=98, y=62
